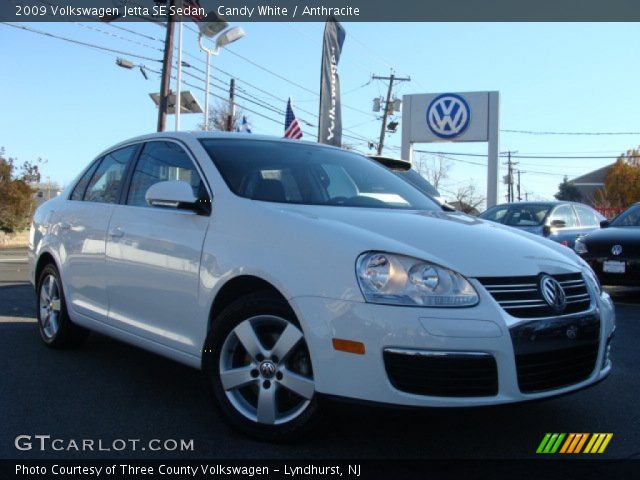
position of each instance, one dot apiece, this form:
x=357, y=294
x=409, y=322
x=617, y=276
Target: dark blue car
x=559, y=221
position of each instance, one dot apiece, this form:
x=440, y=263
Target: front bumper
x=630, y=277
x=485, y=329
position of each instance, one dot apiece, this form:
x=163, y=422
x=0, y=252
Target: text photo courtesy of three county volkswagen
x=431, y=250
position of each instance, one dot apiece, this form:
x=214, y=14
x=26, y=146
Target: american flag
x=291, y=126
x=193, y=4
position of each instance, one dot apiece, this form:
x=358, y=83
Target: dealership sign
x=454, y=117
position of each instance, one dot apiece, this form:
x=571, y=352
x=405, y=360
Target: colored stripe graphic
x=550, y=443
x=573, y=443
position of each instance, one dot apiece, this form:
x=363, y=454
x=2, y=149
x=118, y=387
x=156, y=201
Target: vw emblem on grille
x=616, y=249
x=267, y=369
x=553, y=293
x=448, y=115
x=572, y=332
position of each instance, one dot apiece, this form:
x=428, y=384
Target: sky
x=66, y=103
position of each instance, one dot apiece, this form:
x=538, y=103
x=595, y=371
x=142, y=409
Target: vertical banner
x=330, y=118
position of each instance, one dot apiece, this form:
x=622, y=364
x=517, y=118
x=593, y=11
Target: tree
x=16, y=197
x=219, y=118
x=568, y=191
x=433, y=169
x=622, y=184
x=467, y=199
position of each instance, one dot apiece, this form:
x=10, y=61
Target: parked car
x=561, y=222
x=287, y=271
x=614, y=251
x=402, y=168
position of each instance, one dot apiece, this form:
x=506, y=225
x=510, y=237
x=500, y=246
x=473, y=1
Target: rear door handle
x=116, y=233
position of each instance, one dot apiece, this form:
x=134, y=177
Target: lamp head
x=229, y=36
x=213, y=25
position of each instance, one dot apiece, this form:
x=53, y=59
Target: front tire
x=257, y=366
x=56, y=328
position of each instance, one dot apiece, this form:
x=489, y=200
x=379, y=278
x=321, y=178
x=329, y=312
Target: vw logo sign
x=553, y=293
x=616, y=250
x=448, y=115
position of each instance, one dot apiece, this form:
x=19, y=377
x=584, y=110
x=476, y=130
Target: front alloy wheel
x=56, y=328
x=259, y=366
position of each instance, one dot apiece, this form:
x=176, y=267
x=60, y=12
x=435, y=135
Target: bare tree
x=435, y=169
x=467, y=199
x=219, y=117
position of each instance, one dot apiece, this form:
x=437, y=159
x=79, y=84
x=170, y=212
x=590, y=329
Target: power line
x=78, y=42
x=535, y=132
x=540, y=157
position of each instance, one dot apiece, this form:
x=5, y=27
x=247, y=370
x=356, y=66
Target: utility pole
x=232, y=105
x=165, y=91
x=510, y=190
x=383, y=127
x=519, y=195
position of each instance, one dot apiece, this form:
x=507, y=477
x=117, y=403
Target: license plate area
x=613, y=266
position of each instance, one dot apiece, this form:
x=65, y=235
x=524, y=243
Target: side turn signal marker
x=348, y=346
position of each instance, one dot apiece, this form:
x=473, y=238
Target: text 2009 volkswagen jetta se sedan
x=287, y=270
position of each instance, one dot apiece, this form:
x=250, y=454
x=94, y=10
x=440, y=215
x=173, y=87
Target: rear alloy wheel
x=259, y=367
x=56, y=328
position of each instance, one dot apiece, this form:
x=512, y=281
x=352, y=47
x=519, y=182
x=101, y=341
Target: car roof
x=550, y=203
x=198, y=134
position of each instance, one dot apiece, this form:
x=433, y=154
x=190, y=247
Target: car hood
x=471, y=246
x=599, y=242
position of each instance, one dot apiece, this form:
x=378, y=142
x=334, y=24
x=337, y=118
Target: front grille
x=521, y=297
x=442, y=374
x=555, y=354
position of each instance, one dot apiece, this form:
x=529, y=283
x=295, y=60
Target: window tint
x=81, y=186
x=586, y=216
x=629, y=218
x=308, y=174
x=162, y=161
x=564, y=213
x=418, y=181
x=105, y=183
x=496, y=214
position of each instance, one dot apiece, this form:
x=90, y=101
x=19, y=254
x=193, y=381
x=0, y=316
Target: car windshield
x=299, y=173
x=526, y=215
x=629, y=218
x=418, y=181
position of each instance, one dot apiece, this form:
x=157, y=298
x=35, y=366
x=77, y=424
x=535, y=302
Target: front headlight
x=580, y=247
x=592, y=279
x=399, y=280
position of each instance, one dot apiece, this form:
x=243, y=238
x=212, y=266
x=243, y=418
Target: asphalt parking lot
x=108, y=390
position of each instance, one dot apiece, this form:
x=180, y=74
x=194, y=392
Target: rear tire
x=257, y=367
x=56, y=328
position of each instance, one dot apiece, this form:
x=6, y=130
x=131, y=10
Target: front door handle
x=116, y=233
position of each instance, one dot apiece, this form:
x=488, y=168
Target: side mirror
x=558, y=224
x=176, y=194
x=605, y=223
x=546, y=231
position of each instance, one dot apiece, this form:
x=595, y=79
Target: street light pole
x=209, y=52
x=229, y=36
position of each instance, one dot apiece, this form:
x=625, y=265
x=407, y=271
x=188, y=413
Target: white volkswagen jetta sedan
x=289, y=271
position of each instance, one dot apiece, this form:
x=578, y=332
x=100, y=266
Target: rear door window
x=565, y=214
x=586, y=216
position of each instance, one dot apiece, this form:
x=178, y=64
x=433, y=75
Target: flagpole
x=179, y=73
